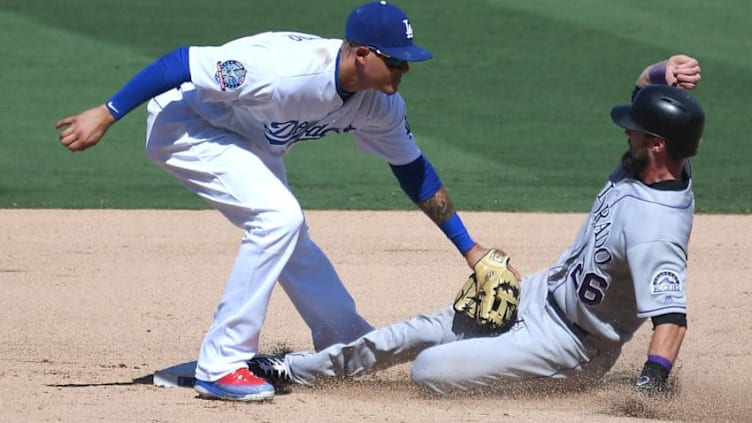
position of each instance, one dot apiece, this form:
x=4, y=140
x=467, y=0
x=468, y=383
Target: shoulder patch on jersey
x=666, y=282
x=230, y=74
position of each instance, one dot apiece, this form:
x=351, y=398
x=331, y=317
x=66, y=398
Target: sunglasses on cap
x=390, y=61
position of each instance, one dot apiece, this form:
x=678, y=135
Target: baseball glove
x=491, y=294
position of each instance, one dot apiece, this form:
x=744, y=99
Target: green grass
x=512, y=110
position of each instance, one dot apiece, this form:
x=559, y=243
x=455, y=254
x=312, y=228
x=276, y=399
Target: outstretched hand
x=85, y=129
x=683, y=72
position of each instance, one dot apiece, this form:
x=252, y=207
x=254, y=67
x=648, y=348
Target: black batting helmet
x=665, y=112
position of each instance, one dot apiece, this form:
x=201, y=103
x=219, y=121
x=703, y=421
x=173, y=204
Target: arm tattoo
x=439, y=207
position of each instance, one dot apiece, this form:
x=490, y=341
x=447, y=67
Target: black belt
x=574, y=327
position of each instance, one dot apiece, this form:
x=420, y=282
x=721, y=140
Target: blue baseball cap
x=385, y=27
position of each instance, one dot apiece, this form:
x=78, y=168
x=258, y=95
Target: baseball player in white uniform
x=627, y=264
x=220, y=120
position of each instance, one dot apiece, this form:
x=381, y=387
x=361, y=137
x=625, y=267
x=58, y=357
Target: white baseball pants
x=249, y=187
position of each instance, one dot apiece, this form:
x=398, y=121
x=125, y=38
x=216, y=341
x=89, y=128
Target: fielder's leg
x=319, y=295
x=221, y=168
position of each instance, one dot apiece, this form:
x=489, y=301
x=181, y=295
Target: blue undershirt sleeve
x=418, y=179
x=167, y=72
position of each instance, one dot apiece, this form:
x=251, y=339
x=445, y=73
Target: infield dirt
x=94, y=301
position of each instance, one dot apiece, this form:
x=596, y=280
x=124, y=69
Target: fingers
x=77, y=146
x=75, y=143
x=687, y=84
x=682, y=60
x=71, y=142
x=64, y=122
x=687, y=78
x=687, y=74
x=84, y=130
x=515, y=272
x=67, y=140
x=71, y=139
x=685, y=70
x=70, y=136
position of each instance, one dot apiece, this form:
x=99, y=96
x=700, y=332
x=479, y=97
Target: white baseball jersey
x=627, y=263
x=223, y=136
x=279, y=88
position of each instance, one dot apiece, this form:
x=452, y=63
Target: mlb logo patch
x=230, y=74
x=666, y=282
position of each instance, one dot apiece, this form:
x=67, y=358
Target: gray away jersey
x=629, y=260
x=627, y=263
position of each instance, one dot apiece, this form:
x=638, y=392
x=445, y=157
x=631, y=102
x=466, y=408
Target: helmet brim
x=621, y=115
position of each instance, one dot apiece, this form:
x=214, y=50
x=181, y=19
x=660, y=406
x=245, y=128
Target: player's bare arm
x=662, y=353
x=439, y=208
x=666, y=341
x=85, y=129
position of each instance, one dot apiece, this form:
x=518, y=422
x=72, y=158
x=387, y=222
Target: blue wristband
x=661, y=361
x=455, y=230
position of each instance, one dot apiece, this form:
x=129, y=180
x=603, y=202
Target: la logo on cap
x=408, y=29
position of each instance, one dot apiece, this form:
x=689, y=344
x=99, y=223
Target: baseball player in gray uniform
x=221, y=118
x=627, y=264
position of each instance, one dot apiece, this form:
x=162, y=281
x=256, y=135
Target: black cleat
x=273, y=368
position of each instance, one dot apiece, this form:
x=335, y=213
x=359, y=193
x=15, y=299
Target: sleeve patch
x=666, y=283
x=230, y=74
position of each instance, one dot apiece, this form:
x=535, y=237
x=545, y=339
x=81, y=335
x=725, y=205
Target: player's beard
x=636, y=162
